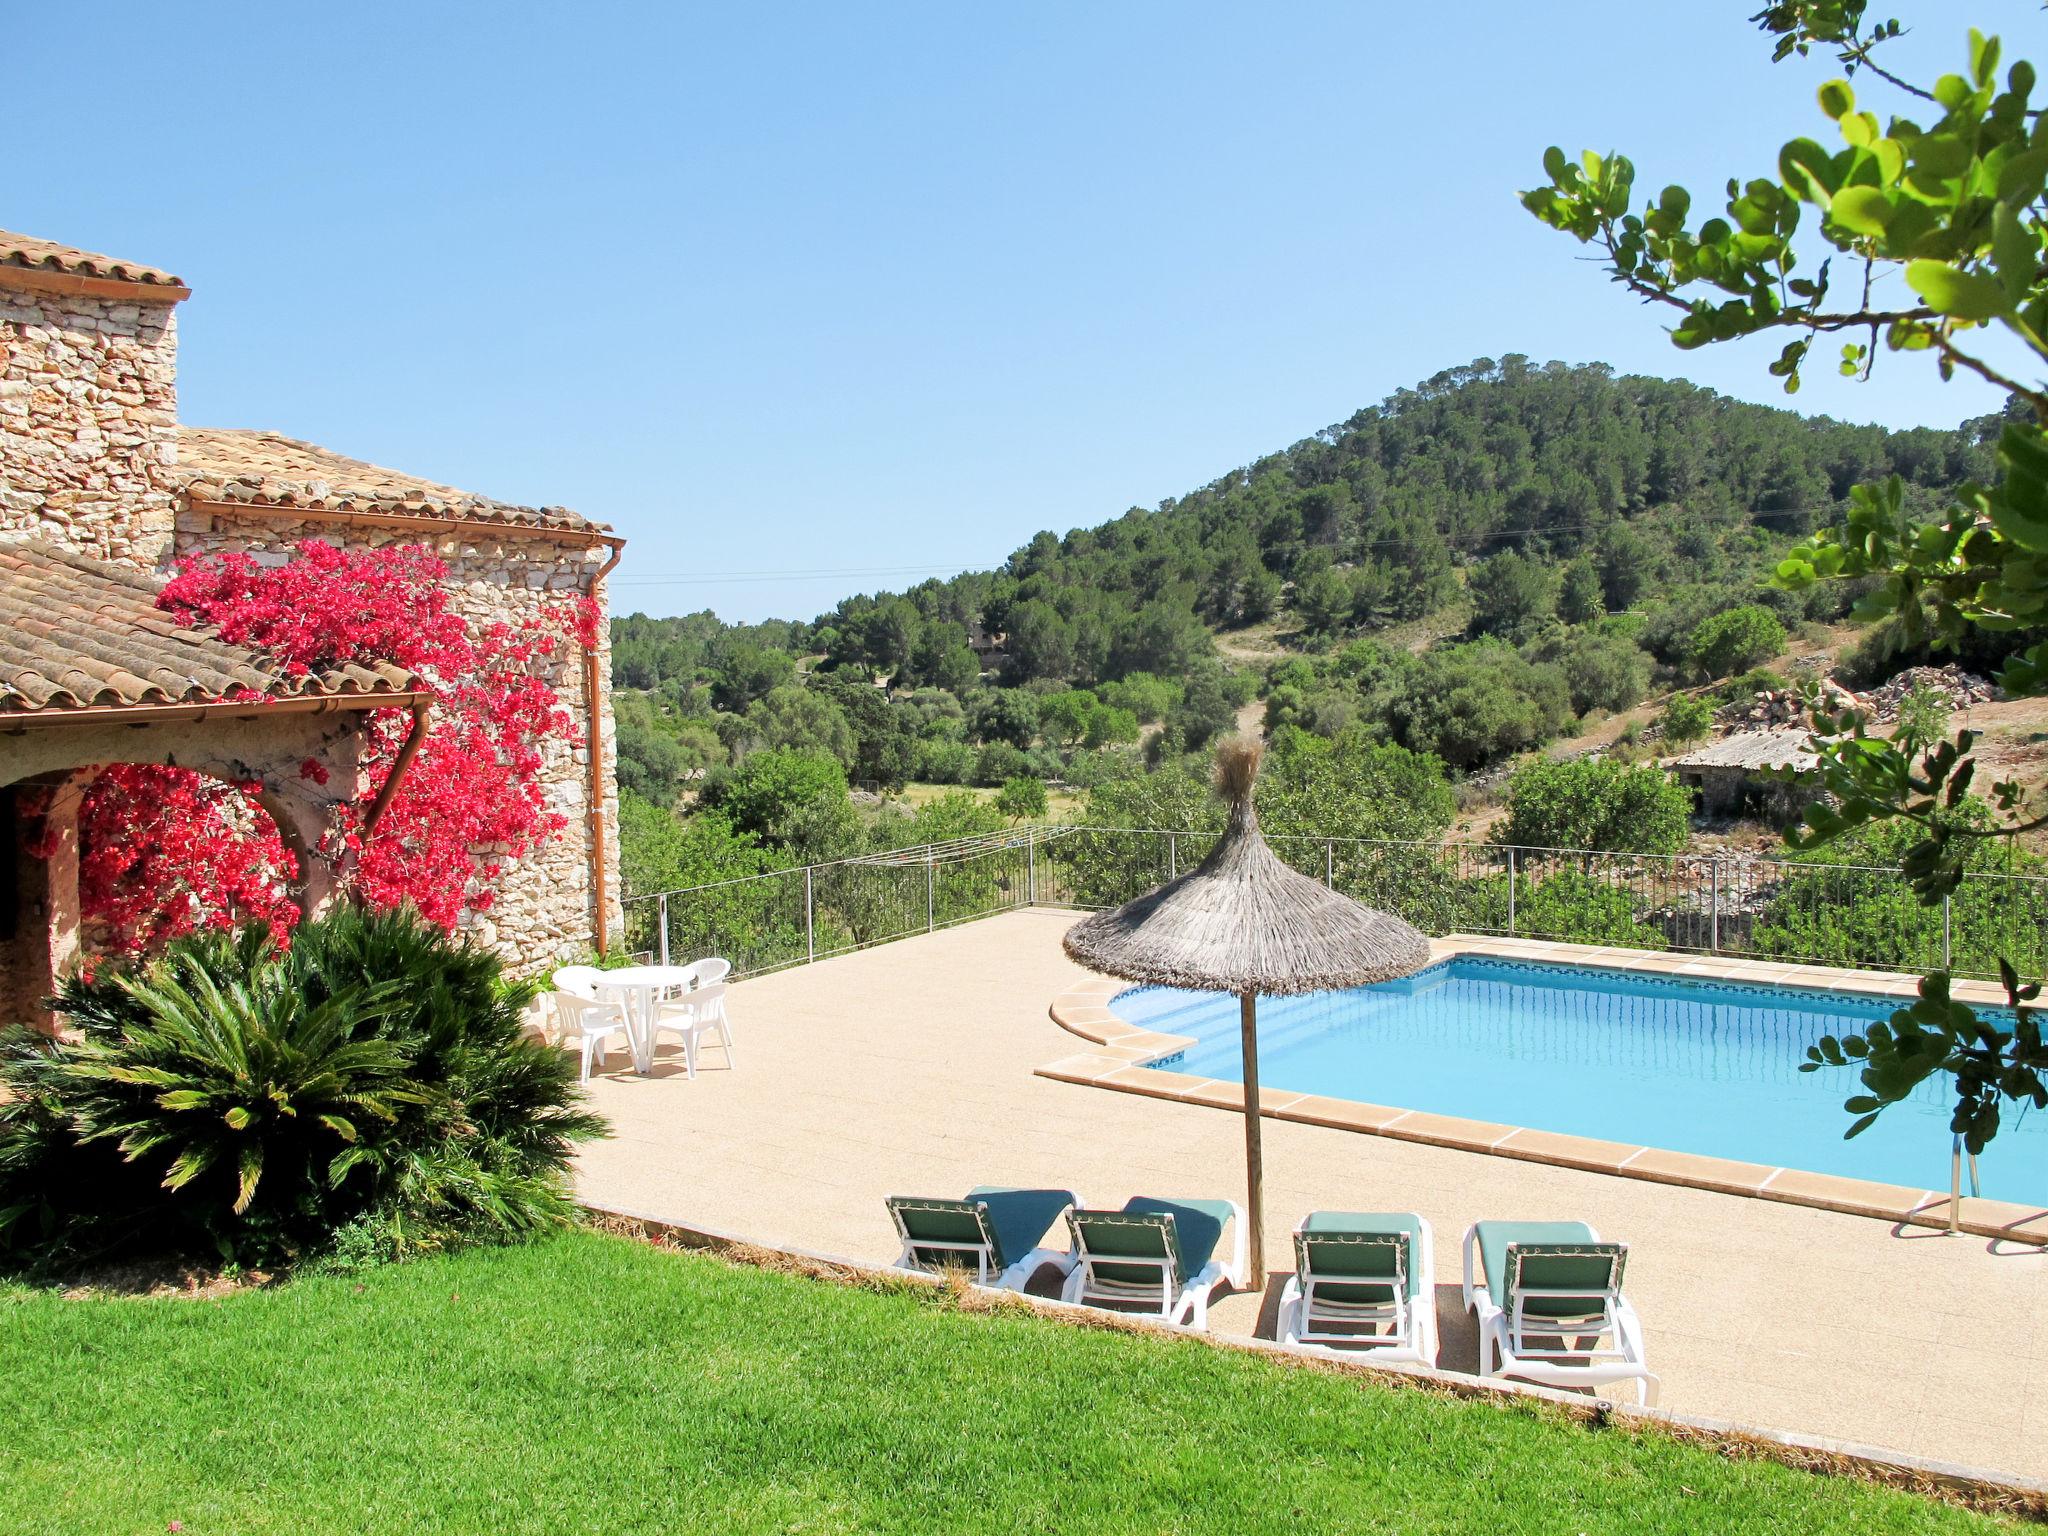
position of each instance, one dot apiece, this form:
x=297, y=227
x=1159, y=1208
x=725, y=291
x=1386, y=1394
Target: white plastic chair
x=592, y=1021
x=577, y=981
x=694, y=1016
x=705, y=973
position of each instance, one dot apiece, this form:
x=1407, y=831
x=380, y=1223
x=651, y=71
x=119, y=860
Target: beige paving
x=912, y=1069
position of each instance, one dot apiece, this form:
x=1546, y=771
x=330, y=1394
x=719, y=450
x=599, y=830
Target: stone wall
x=545, y=912
x=88, y=422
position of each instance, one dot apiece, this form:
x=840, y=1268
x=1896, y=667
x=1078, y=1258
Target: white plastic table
x=639, y=988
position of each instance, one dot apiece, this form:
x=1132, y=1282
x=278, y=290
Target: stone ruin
x=1956, y=688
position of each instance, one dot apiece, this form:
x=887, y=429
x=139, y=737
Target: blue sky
x=815, y=299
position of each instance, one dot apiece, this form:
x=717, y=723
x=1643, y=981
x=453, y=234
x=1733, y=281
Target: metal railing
x=1830, y=914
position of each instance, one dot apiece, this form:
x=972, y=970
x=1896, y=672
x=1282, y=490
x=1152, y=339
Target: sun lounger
x=1156, y=1255
x=1550, y=1307
x=1363, y=1285
x=997, y=1232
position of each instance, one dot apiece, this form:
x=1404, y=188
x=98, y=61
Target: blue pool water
x=1694, y=1066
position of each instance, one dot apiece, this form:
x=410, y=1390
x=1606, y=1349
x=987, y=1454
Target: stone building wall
x=88, y=422
x=544, y=915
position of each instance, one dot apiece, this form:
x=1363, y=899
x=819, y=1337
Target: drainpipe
x=421, y=708
x=600, y=876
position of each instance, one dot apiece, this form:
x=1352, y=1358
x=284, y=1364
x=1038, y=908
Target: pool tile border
x=1120, y=1056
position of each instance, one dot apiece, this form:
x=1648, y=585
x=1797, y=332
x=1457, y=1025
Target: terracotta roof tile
x=76, y=632
x=227, y=464
x=48, y=256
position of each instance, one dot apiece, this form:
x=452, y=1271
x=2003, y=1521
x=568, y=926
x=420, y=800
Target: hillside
x=1469, y=568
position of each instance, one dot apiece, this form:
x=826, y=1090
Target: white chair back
x=577, y=980
x=568, y=1013
x=705, y=972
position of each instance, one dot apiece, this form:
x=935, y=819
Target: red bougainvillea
x=163, y=851
x=471, y=800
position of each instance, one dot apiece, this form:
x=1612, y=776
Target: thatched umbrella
x=1244, y=922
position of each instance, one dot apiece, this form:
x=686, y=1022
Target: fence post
x=1714, y=934
x=1172, y=855
x=1511, y=891
x=1329, y=864
x=1030, y=866
x=930, y=911
x=1946, y=958
x=661, y=908
x=810, y=928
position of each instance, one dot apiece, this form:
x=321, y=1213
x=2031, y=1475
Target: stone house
x=1746, y=774
x=102, y=488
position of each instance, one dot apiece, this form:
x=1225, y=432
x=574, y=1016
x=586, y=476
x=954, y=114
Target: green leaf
x=2015, y=251
x=1983, y=57
x=1808, y=170
x=2020, y=179
x=1954, y=292
x=1837, y=99
x=1864, y=210
x=251, y=1173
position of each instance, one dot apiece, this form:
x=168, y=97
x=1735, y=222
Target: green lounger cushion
x=1367, y=1261
x=1017, y=1219
x=1197, y=1227
x=1560, y=1273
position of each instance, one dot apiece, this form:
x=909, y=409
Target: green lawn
x=591, y=1384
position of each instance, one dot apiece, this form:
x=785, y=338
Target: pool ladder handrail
x=1955, y=1184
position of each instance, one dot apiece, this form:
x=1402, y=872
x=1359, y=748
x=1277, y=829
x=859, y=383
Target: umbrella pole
x=1254, y=1153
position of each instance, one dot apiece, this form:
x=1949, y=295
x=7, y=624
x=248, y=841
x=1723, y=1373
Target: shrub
x=1592, y=804
x=1604, y=671
x=1923, y=719
x=1687, y=717
x=254, y=1102
x=1510, y=593
x=1735, y=641
x=1846, y=903
x=1022, y=799
x=1570, y=906
x=791, y=800
x=1740, y=690
x=943, y=762
x=1145, y=696
x=999, y=763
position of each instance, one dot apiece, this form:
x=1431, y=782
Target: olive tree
x=1917, y=233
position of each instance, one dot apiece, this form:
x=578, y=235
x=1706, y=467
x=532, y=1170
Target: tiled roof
x=263, y=469
x=76, y=632
x=48, y=256
x=1753, y=749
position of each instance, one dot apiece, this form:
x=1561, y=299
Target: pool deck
x=914, y=1068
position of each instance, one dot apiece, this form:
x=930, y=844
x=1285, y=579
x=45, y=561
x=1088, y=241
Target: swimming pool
x=1710, y=1067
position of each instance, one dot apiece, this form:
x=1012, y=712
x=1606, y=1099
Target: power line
x=811, y=573
x=820, y=573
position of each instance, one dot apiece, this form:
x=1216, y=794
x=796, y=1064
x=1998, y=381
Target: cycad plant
x=371, y=1080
